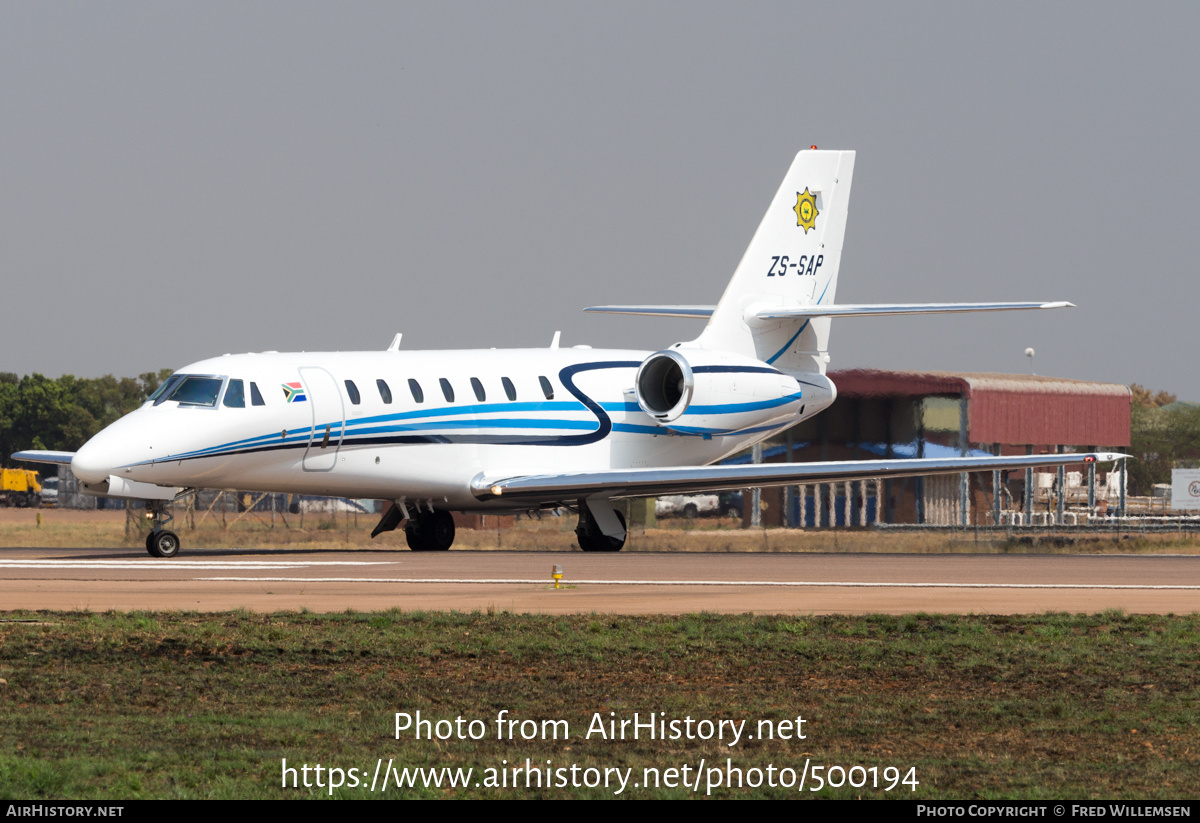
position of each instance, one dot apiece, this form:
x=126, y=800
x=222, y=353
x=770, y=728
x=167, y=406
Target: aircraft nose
x=95, y=461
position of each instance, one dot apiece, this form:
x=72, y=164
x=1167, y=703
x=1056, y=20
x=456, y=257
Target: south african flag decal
x=294, y=392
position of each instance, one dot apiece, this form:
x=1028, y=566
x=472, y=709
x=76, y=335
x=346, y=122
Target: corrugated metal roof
x=1037, y=384
x=869, y=382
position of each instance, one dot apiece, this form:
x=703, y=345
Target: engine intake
x=665, y=384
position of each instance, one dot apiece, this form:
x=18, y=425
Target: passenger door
x=329, y=419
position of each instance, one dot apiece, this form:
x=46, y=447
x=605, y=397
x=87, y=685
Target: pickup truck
x=725, y=504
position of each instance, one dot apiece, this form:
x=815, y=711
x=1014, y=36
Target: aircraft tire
x=591, y=539
x=430, y=532
x=442, y=534
x=163, y=543
x=412, y=536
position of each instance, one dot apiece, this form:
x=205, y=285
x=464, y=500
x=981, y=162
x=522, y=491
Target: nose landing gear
x=161, y=542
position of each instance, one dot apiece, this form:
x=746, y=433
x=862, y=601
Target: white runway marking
x=832, y=583
x=159, y=565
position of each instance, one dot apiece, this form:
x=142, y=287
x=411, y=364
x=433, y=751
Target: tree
x=1162, y=438
x=37, y=412
x=1147, y=399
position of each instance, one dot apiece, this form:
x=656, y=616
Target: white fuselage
x=332, y=431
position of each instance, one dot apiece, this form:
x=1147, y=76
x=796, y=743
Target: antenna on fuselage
x=395, y=342
x=554, y=342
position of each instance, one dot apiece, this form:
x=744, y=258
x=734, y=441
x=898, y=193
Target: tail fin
x=792, y=261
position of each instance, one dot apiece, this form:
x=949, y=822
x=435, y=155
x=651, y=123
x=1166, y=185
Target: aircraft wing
x=549, y=489
x=41, y=456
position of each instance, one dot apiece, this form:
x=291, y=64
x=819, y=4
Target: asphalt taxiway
x=636, y=583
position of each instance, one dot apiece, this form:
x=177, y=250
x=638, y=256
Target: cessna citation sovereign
x=527, y=429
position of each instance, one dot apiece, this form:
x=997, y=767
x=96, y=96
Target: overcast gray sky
x=184, y=180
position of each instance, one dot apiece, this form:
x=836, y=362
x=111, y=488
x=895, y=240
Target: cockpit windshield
x=195, y=391
x=165, y=389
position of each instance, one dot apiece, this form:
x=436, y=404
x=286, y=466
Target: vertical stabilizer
x=792, y=260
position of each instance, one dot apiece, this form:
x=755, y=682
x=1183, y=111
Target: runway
x=642, y=583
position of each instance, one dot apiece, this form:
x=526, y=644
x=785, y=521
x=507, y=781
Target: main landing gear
x=590, y=536
x=161, y=542
x=430, y=531
x=601, y=527
x=426, y=531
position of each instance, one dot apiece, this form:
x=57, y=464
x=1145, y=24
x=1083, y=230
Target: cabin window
x=385, y=394
x=478, y=387
x=447, y=389
x=415, y=388
x=547, y=389
x=255, y=395
x=197, y=391
x=235, y=395
x=509, y=388
x=352, y=390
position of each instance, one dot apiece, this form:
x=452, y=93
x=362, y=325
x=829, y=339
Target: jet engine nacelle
x=695, y=391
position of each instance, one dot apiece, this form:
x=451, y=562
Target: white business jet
x=529, y=429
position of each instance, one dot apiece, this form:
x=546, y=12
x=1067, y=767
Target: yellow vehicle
x=20, y=487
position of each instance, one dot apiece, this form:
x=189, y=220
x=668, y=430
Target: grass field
x=115, y=706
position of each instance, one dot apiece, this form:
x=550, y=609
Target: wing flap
x=552, y=488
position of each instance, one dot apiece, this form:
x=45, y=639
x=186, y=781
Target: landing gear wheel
x=415, y=537
x=163, y=543
x=430, y=532
x=591, y=539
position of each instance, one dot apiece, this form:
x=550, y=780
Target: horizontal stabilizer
x=847, y=310
x=553, y=488
x=39, y=456
x=656, y=311
x=873, y=310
